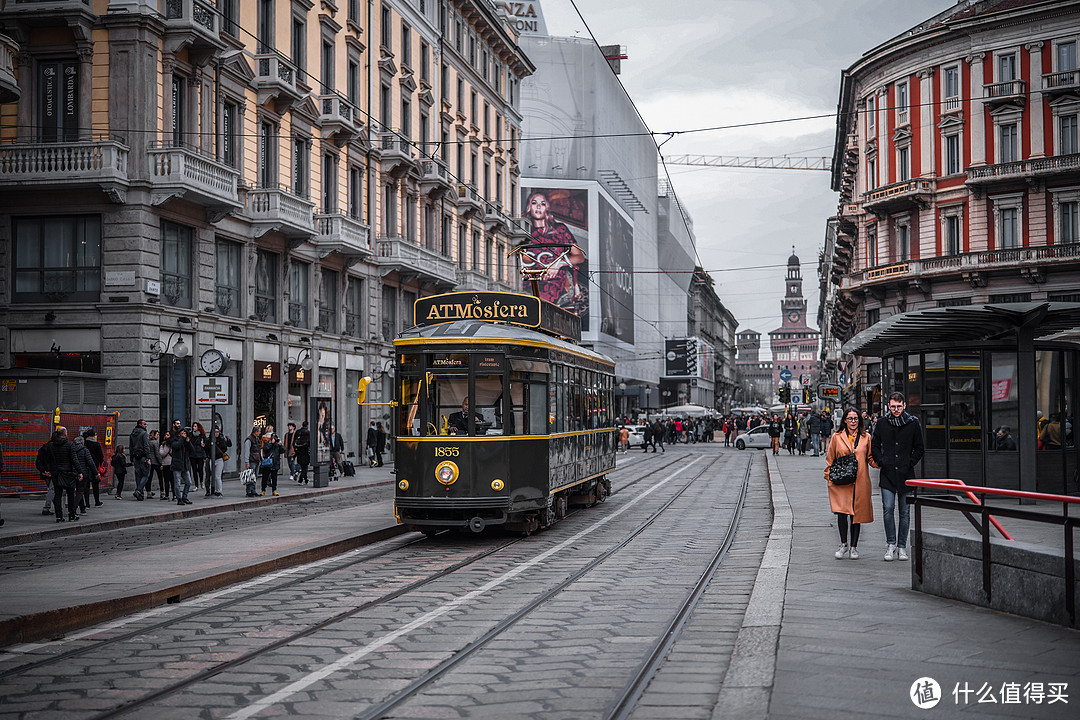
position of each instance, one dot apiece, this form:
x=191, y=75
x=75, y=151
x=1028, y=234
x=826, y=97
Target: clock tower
x=793, y=306
x=794, y=345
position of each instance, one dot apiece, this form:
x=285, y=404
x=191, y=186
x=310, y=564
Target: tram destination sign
x=512, y=308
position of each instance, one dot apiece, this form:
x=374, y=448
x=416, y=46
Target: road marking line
x=350, y=659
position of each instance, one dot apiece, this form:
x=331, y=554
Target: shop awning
x=949, y=326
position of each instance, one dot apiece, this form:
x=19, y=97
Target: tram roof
x=480, y=331
x=949, y=326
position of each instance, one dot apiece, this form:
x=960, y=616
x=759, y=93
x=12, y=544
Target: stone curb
x=152, y=517
x=36, y=626
x=747, y=687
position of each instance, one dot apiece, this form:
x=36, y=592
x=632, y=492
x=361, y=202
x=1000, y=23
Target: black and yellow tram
x=501, y=418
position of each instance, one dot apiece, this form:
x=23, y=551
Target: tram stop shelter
x=995, y=386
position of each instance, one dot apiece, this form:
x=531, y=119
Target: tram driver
x=459, y=422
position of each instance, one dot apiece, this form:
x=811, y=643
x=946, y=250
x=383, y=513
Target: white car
x=637, y=435
x=756, y=438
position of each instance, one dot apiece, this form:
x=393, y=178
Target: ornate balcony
x=1023, y=170
x=519, y=229
x=468, y=200
x=899, y=195
x=277, y=209
x=396, y=155
x=1008, y=92
x=973, y=266
x=184, y=172
x=35, y=13
x=1065, y=82
x=9, y=89
x=192, y=24
x=335, y=232
x=410, y=260
x=434, y=178
x=276, y=80
x=338, y=119
x=90, y=163
x=476, y=280
x=493, y=216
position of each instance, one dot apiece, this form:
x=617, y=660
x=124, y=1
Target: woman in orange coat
x=851, y=503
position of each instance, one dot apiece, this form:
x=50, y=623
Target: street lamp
x=179, y=350
x=303, y=359
x=622, y=399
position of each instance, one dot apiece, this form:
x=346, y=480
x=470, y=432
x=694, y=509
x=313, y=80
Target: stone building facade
x=274, y=180
x=957, y=162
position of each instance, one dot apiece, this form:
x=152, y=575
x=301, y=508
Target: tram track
x=648, y=668
x=261, y=592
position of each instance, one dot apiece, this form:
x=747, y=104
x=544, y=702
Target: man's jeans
x=142, y=474
x=888, y=502
x=179, y=475
x=815, y=441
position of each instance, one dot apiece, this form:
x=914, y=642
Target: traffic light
x=361, y=390
x=785, y=393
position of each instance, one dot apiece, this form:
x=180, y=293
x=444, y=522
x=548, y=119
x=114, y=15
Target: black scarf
x=904, y=419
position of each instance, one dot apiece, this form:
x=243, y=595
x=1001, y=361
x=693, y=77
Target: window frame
x=185, y=240
x=70, y=267
x=231, y=285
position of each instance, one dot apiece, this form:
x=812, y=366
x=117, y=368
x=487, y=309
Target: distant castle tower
x=794, y=345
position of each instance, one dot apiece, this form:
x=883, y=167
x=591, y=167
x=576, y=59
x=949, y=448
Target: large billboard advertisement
x=559, y=220
x=616, y=276
x=594, y=280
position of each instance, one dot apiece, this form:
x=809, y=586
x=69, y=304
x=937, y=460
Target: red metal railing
x=1069, y=523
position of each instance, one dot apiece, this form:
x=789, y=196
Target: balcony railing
x=338, y=118
x=1007, y=90
x=276, y=80
x=473, y=280
x=64, y=163
x=1024, y=169
x=278, y=209
x=398, y=253
x=184, y=171
x=897, y=193
x=335, y=232
x=192, y=24
x=396, y=155
x=954, y=264
x=9, y=89
x=1062, y=80
x=468, y=199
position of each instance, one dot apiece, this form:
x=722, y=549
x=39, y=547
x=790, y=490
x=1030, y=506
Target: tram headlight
x=497, y=484
x=403, y=484
x=446, y=472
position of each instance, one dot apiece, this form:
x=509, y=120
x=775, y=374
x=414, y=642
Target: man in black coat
x=897, y=447
x=64, y=469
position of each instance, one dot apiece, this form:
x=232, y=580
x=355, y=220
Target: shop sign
x=267, y=371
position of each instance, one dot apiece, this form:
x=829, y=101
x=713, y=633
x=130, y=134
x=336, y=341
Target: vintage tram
x=501, y=417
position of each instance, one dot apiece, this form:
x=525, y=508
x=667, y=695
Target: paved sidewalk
x=25, y=523
x=180, y=561
x=855, y=637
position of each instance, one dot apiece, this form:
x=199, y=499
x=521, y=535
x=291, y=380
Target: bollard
x=318, y=478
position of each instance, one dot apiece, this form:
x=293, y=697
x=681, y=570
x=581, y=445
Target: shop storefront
x=264, y=394
x=995, y=387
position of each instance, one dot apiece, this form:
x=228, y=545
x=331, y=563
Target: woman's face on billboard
x=538, y=206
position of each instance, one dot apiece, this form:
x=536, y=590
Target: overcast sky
x=705, y=63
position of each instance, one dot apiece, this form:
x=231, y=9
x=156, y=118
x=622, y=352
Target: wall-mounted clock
x=793, y=317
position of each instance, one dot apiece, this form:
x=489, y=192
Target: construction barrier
x=23, y=433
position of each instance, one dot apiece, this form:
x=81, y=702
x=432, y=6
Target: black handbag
x=845, y=468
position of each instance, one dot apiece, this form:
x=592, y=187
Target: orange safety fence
x=22, y=433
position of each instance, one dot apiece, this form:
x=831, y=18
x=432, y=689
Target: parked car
x=756, y=438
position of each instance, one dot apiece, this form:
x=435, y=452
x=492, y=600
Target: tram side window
x=537, y=408
x=559, y=411
x=489, y=405
x=529, y=398
x=408, y=417
x=577, y=401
